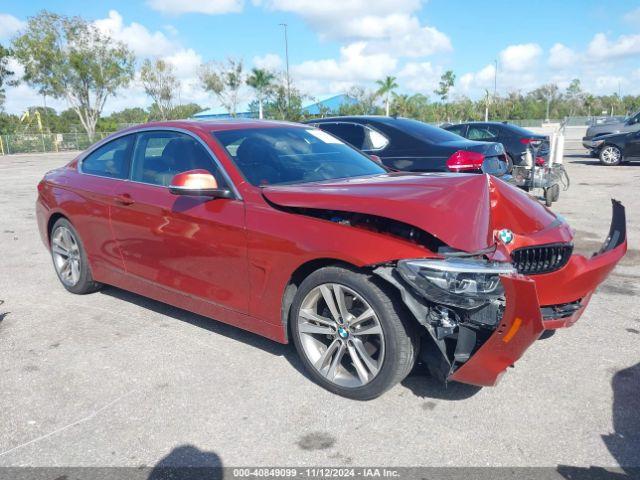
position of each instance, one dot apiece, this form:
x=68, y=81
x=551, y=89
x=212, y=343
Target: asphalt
x=114, y=379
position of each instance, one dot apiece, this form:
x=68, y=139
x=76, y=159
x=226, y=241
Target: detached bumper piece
x=548, y=289
x=521, y=325
x=524, y=319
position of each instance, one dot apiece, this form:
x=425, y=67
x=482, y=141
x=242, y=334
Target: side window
x=351, y=133
x=110, y=160
x=374, y=140
x=160, y=155
x=481, y=133
x=457, y=129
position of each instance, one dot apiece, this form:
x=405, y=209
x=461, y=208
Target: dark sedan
x=410, y=145
x=515, y=139
x=618, y=147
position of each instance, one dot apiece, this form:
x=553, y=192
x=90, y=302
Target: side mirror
x=198, y=183
x=376, y=159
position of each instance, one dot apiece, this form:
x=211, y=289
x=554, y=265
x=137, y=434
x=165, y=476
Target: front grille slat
x=541, y=258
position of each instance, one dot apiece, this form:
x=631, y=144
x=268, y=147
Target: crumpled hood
x=462, y=210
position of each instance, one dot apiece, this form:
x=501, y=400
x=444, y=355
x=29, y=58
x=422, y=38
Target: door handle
x=124, y=199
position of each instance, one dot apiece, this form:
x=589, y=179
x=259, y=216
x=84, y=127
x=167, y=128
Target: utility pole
x=286, y=53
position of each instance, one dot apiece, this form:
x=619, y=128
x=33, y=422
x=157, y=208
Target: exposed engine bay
x=377, y=224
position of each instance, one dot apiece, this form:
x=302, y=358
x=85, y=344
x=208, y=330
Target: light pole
x=286, y=53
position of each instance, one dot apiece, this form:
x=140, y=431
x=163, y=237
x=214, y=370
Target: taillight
x=540, y=161
x=532, y=141
x=464, y=160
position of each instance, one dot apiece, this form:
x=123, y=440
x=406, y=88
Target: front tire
x=610, y=155
x=351, y=334
x=70, y=259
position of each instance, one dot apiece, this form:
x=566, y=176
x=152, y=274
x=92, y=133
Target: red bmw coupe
x=284, y=230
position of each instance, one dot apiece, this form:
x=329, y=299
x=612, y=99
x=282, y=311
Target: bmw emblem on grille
x=506, y=236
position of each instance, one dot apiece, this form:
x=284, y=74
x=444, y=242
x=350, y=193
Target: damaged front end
x=482, y=315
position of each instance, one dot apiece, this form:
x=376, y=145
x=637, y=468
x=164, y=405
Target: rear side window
x=110, y=160
x=351, y=133
x=374, y=140
x=457, y=129
x=480, y=132
x=160, y=155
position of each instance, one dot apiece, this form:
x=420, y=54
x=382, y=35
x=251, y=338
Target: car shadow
x=187, y=462
x=419, y=381
x=273, y=348
x=423, y=385
x=624, y=442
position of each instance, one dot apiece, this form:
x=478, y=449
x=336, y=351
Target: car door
x=632, y=147
x=100, y=172
x=192, y=245
x=632, y=125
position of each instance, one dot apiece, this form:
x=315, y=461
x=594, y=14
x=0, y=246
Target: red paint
x=231, y=259
x=487, y=365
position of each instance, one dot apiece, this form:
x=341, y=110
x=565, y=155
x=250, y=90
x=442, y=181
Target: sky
x=335, y=44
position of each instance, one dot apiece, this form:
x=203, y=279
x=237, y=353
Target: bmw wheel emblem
x=506, y=236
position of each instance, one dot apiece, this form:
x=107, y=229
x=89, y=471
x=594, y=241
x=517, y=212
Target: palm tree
x=386, y=87
x=261, y=81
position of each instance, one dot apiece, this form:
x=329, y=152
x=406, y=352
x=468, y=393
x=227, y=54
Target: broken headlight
x=463, y=283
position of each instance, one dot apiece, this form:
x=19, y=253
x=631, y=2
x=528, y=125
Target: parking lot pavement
x=114, y=379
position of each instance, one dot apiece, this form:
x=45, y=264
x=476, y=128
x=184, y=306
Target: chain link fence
x=47, y=142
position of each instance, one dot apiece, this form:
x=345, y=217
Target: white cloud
x=270, y=61
x=517, y=58
x=9, y=25
x=209, y=7
x=420, y=77
x=478, y=81
x=632, y=17
x=353, y=64
x=318, y=77
x=561, y=56
x=185, y=61
x=136, y=36
x=600, y=48
x=387, y=27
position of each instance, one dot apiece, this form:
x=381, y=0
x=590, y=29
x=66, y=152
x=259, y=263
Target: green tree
x=160, y=83
x=363, y=102
x=547, y=93
x=387, y=86
x=284, y=103
x=5, y=73
x=575, y=96
x=261, y=81
x=224, y=81
x=68, y=57
x=447, y=80
x=185, y=110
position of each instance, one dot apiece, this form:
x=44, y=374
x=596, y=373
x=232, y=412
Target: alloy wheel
x=341, y=335
x=610, y=155
x=66, y=255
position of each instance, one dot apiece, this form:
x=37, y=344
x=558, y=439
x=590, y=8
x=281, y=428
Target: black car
x=514, y=138
x=410, y=145
x=618, y=147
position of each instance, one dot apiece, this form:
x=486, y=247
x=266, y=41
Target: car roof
x=355, y=118
x=210, y=125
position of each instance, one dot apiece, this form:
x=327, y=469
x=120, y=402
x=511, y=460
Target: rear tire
x=359, y=365
x=610, y=155
x=70, y=259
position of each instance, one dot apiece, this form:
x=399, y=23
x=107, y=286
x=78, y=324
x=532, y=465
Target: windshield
x=284, y=155
x=423, y=131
